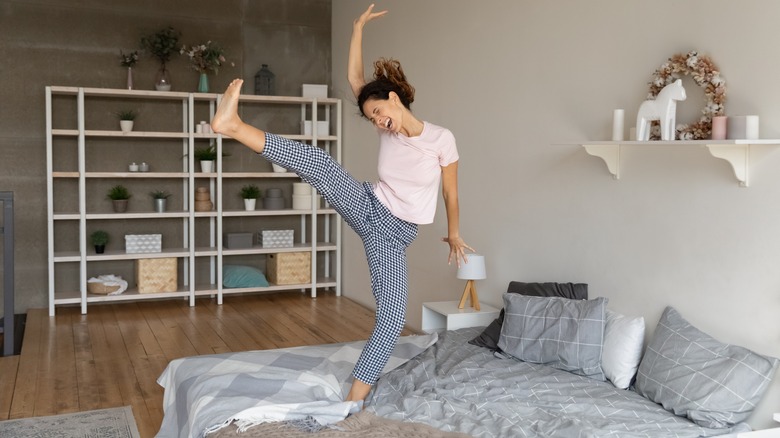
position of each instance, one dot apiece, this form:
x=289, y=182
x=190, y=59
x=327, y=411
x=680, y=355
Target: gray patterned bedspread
x=455, y=386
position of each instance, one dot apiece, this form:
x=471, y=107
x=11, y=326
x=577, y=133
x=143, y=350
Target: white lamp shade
x=473, y=269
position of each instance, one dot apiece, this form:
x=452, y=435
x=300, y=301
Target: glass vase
x=129, y=78
x=203, y=83
x=162, y=81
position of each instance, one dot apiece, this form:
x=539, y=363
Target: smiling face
x=385, y=114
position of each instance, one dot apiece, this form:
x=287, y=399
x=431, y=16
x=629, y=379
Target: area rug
x=102, y=423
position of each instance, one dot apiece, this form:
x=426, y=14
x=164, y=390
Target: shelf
x=740, y=154
x=74, y=147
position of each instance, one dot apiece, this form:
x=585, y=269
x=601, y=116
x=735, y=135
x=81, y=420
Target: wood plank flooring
x=113, y=355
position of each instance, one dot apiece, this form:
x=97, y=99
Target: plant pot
x=249, y=204
x=206, y=166
x=120, y=205
x=160, y=204
x=100, y=249
x=126, y=125
x=278, y=169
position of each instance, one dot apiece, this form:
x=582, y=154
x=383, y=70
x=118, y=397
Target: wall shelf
x=740, y=154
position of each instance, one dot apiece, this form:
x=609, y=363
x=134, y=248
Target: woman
x=414, y=158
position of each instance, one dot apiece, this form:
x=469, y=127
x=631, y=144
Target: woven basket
x=289, y=268
x=156, y=275
x=100, y=288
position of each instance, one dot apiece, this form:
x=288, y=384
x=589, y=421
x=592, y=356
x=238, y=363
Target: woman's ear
x=393, y=97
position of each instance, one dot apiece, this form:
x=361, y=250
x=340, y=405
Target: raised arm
x=355, y=74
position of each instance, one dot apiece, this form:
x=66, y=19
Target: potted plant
x=126, y=119
x=206, y=156
x=204, y=58
x=162, y=44
x=160, y=200
x=250, y=193
x=99, y=238
x=119, y=195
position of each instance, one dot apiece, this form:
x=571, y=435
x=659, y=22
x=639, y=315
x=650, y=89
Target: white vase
x=126, y=125
x=249, y=204
x=206, y=166
x=277, y=168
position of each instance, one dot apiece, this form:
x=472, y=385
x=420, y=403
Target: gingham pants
x=385, y=238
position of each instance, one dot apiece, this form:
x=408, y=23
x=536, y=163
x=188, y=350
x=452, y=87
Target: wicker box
x=288, y=268
x=237, y=240
x=143, y=243
x=276, y=238
x=156, y=275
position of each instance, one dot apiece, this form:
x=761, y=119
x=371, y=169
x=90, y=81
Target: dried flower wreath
x=706, y=75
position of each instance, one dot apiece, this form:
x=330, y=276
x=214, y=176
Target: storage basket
x=289, y=268
x=156, y=275
x=101, y=288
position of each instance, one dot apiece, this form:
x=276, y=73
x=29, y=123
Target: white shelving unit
x=740, y=154
x=81, y=146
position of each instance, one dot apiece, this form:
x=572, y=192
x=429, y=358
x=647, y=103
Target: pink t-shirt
x=410, y=171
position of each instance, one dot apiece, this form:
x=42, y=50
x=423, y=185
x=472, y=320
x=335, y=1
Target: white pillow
x=623, y=343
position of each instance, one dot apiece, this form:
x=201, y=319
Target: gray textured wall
x=77, y=43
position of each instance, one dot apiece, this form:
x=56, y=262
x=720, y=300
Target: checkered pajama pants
x=385, y=238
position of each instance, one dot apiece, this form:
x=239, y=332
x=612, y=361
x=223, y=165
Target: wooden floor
x=113, y=355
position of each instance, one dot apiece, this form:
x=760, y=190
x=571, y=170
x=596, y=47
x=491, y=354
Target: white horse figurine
x=663, y=108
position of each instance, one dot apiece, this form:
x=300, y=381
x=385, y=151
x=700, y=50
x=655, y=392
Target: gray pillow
x=576, y=291
x=714, y=384
x=559, y=332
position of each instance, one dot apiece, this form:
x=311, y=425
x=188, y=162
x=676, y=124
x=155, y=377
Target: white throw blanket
x=206, y=393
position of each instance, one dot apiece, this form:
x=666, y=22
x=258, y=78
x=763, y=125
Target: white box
x=143, y=243
x=323, y=128
x=319, y=91
x=276, y=238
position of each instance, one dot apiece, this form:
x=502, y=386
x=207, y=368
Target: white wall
x=515, y=79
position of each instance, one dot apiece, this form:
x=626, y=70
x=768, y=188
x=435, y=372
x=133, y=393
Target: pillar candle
x=617, y=125
x=719, y=128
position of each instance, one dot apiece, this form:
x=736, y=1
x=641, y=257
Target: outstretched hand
x=368, y=16
x=457, y=250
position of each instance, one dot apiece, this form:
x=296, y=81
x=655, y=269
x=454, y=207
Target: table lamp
x=473, y=269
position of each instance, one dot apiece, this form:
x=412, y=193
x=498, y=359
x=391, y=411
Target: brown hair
x=388, y=76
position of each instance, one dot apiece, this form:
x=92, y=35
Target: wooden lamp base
x=469, y=291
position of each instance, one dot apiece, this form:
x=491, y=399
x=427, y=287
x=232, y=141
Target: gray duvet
x=455, y=386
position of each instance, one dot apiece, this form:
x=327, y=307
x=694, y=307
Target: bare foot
x=226, y=120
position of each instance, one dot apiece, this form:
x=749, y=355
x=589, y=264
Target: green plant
x=127, y=114
x=118, y=192
x=160, y=194
x=250, y=191
x=99, y=238
x=128, y=59
x=162, y=43
x=208, y=154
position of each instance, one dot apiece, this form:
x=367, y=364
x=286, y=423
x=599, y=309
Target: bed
x=561, y=367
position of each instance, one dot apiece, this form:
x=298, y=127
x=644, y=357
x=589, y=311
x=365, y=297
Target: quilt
x=459, y=387
x=203, y=394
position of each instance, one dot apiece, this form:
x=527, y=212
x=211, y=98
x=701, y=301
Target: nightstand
x=445, y=315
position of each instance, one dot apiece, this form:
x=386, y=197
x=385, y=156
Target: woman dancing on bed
x=414, y=158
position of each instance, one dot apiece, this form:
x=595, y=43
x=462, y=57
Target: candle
x=617, y=125
x=719, y=128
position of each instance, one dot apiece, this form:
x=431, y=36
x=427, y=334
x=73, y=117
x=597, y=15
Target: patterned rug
x=102, y=423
